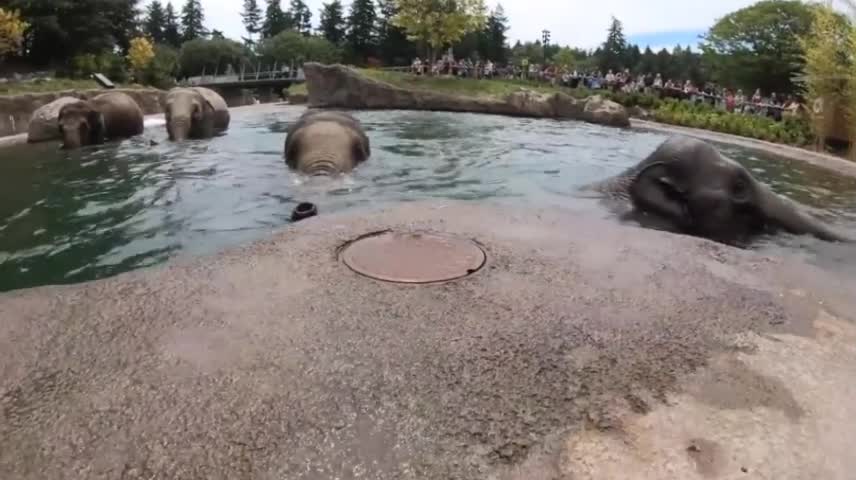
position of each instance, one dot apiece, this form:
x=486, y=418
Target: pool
x=67, y=217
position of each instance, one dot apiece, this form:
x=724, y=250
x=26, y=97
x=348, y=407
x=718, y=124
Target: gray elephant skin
x=107, y=116
x=196, y=113
x=686, y=186
x=326, y=143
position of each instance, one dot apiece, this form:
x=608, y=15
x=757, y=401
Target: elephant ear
x=97, y=128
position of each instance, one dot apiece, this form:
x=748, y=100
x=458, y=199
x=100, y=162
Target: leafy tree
x=301, y=17
x=439, y=23
x=758, y=46
x=141, y=53
x=192, y=21
x=612, y=55
x=161, y=70
x=276, y=20
x=361, y=38
x=332, y=25
x=292, y=46
x=153, y=25
x=210, y=56
x=11, y=31
x=495, y=30
x=171, y=30
x=252, y=16
x=393, y=45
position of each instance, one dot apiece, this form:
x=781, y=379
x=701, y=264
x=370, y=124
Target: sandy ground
x=582, y=350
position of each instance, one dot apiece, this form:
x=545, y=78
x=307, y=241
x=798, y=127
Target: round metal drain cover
x=413, y=257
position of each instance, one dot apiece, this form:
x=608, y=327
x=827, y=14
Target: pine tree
x=171, y=30
x=192, y=20
x=301, y=17
x=497, y=25
x=155, y=21
x=393, y=45
x=252, y=16
x=332, y=26
x=275, y=20
x=612, y=55
x=361, y=29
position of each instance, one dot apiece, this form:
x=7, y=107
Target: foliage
x=140, y=54
x=252, y=17
x=276, y=20
x=209, y=56
x=332, y=26
x=495, y=44
x=613, y=56
x=192, y=21
x=155, y=21
x=301, y=16
x=569, y=58
x=439, y=23
x=12, y=29
x=361, y=36
x=171, y=30
x=291, y=46
x=108, y=63
x=161, y=70
x=758, y=46
x=394, y=47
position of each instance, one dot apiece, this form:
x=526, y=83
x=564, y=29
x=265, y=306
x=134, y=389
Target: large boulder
x=43, y=124
x=337, y=86
x=605, y=112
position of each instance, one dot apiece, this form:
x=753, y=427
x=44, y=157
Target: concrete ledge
x=583, y=349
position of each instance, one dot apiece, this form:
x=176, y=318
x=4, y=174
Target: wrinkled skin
x=107, y=116
x=195, y=113
x=687, y=186
x=326, y=143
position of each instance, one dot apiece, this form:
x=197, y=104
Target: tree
x=648, y=63
x=292, y=46
x=155, y=21
x=217, y=34
x=439, y=23
x=361, y=30
x=210, y=56
x=11, y=32
x=758, y=46
x=252, y=16
x=161, y=70
x=612, y=52
x=171, y=31
x=140, y=54
x=394, y=47
x=276, y=20
x=495, y=30
x=632, y=57
x=332, y=26
x=301, y=17
x=192, y=21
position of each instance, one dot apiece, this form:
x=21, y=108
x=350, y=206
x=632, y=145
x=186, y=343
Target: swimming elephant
x=687, y=186
x=195, y=112
x=325, y=143
x=107, y=116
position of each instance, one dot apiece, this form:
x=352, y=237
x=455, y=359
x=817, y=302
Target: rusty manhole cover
x=413, y=257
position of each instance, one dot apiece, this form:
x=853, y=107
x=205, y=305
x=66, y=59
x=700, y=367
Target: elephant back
x=221, y=109
x=123, y=117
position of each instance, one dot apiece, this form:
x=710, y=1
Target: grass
x=298, y=89
x=468, y=87
x=54, y=85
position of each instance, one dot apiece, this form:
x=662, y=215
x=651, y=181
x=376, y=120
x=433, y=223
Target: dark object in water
x=303, y=211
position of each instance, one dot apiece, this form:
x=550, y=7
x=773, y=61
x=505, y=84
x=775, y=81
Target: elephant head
x=81, y=123
x=326, y=143
x=688, y=185
x=188, y=115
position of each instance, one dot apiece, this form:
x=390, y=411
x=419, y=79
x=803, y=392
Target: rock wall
x=16, y=110
x=337, y=86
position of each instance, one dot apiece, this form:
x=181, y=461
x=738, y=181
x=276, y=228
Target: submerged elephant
x=687, y=186
x=195, y=112
x=325, y=143
x=107, y=116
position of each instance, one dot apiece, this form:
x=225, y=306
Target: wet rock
x=43, y=124
x=337, y=86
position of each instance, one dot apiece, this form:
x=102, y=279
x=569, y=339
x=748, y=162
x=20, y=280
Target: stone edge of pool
x=822, y=160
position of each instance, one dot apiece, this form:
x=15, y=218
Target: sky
x=578, y=23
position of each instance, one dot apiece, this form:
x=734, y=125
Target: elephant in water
x=107, y=116
x=325, y=143
x=195, y=113
x=687, y=186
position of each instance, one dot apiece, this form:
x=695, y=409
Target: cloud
x=580, y=23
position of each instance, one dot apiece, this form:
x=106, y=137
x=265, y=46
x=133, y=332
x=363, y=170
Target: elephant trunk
x=324, y=162
x=179, y=128
x=787, y=215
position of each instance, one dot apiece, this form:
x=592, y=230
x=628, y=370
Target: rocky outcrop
x=337, y=86
x=17, y=110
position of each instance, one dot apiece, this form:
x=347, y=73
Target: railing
x=284, y=72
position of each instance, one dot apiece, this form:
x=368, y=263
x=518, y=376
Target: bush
x=291, y=46
x=210, y=56
x=161, y=71
x=107, y=63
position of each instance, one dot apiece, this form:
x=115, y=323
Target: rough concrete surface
x=582, y=350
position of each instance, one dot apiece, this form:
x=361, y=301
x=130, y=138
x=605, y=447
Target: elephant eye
x=740, y=189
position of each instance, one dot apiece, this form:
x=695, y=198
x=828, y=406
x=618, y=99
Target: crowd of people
x=773, y=105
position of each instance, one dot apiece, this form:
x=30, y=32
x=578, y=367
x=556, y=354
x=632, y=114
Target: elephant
x=106, y=116
x=195, y=112
x=686, y=186
x=326, y=143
